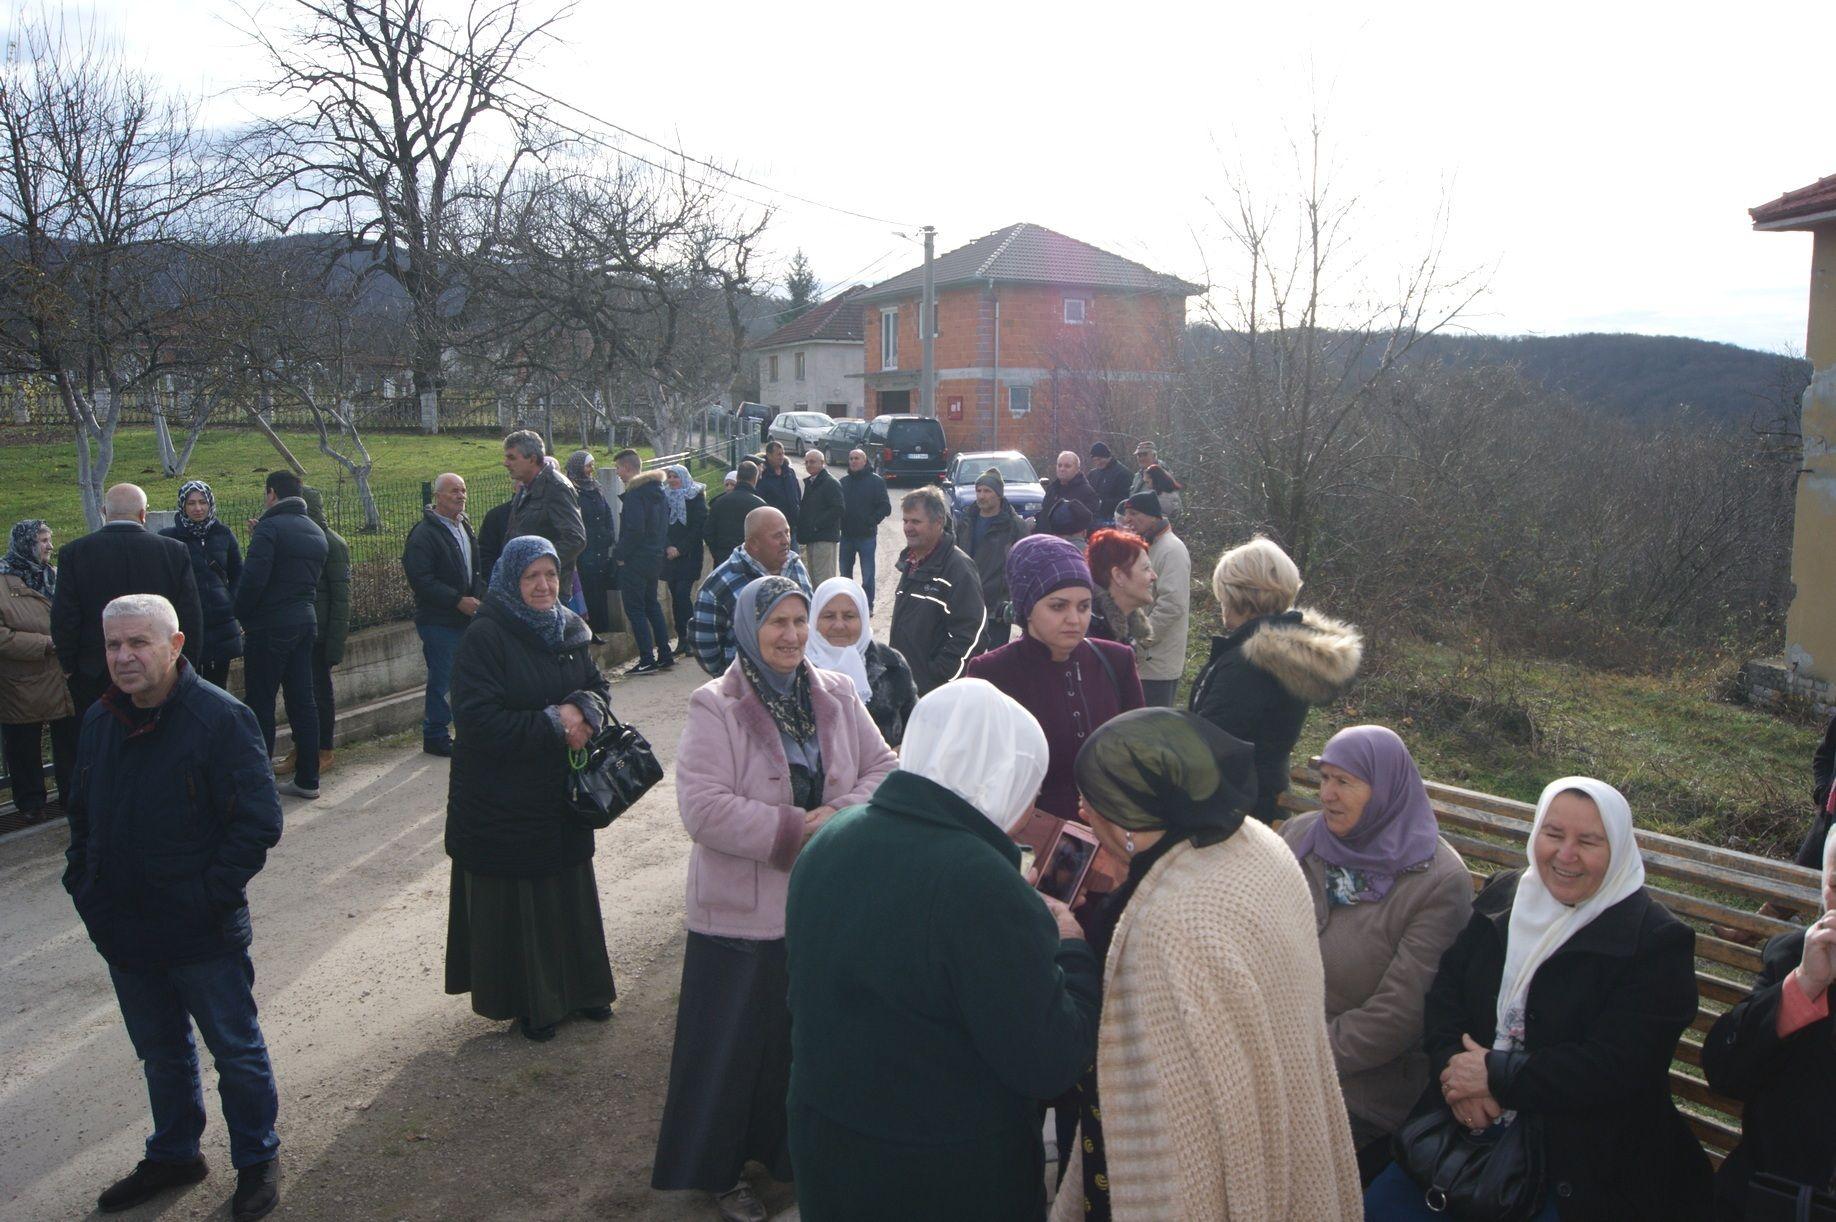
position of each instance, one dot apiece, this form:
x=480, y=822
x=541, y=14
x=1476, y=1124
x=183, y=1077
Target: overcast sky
x=1599, y=158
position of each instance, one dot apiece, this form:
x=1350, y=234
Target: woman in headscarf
x=937, y=997
x=1215, y=1094
x=772, y=748
x=842, y=641
x=523, y=932
x=1560, y=1005
x=33, y=693
x=1070, y=684
x=688, y=514
x=1389, y=898
x=595, y=564
x=216, y=562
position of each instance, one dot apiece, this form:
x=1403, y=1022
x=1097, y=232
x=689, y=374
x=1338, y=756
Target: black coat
x=725, y=528
x=686, y=537
x=596, y=518
x=167, y=826
x=550, y=507
x=937, y=614
x=643, y=524
x=889, y=680
x=493, y=533
x=1786, y=1084
x=216, y=564
x=819, y=520
x=280, y=579
x=93, y=571
x=506, y=806
x=1077, y=488
x=990, y=555
x=437, y=573
x=782, y=490
x=865, y=504
x=1111, y=485
x=1601, y=1025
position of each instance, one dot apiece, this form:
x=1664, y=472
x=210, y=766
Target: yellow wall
x=1820, y=335
x=1810, y=626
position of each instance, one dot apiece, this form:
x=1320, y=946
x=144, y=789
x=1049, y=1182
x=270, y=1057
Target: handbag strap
x=1803, y=1211
x=1114, y=683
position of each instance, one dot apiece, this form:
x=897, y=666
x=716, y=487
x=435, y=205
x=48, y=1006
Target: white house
x=813, y=363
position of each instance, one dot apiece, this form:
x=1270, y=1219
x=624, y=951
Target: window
x=800, y=366
x=889, y=339
x=835, y=409
x=1075, y=311
x=1019, y=400
x=805, y=409
x=772, y=362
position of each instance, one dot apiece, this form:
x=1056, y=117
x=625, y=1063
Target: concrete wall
x=1810, y=625
x=826, y=377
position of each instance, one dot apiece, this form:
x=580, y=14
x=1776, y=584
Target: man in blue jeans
x=441, y=560
x=162, y=892
x=865, y=504
x=277, y=604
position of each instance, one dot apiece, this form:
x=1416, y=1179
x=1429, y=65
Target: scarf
x=850, y=660
x=981, y=745
x=1397, y=832
x=196, y=531
x=21, y=559
x=1157, y=769
x=785, y=697
x=506, y=588
x=679, y=498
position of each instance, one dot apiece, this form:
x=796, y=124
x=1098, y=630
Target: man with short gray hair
x=545, y=503
x=937, y=610
x=441, y=558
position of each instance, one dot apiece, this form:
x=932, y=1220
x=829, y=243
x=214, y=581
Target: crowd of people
x=1263, y=1017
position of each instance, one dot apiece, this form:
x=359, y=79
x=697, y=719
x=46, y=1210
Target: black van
x=907, y=447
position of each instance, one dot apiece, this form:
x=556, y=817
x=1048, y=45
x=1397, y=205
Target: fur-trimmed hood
x=1313, y=656
x=644, y=478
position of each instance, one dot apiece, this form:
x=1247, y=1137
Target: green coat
x=933, y=1006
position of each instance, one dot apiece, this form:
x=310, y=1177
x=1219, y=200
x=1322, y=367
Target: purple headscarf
x=1397, y=831
x=1040, y=564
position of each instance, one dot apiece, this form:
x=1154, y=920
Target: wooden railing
x=1704, y=884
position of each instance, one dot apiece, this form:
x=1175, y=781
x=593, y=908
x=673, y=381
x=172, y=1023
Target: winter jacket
x=865, y=504
x=32, y=688
x=1261, y=680
x=506, y=806
x=686, y=537
x=937, y=613
x=216, y=564
x=1111, y=484
x=169, y=820
x=550, y=507
x=493, y=533
x=643, y=524
x=1380, y=961
x=93, y=571
x=437, y=573
x=725, y=528
x=280, y=578
x=990, y=555
x=819, y=519
x=1107, y=623
x=733, y=791
x=1163, y=657
x=596, y=520
x=782, y=490
x=891, y=691
x=1077, y=488
x=1601, y=1025
x=332, y=602
x=933, y=1004
x=1786, y=1084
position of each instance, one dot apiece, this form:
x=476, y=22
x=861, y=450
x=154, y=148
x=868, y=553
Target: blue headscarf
x=190, y=529
x=506, y=587
x=679, y=498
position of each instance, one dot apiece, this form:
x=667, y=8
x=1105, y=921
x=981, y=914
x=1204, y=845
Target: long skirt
x=531, y=948
x=730, y=1071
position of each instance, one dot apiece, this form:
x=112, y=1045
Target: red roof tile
x=1817, y=200
x=825, y=321
x=1033, y=254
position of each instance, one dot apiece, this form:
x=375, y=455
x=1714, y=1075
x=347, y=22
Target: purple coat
x=1069, y=699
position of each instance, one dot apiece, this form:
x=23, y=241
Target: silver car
x=799, y=431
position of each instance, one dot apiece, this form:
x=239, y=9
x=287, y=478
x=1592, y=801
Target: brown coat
x=32, y=686
x=1380, y=961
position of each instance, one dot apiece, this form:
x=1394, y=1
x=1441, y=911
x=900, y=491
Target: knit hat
x=991, y=478
x=1040, y=564
x=1100, y=450
x=1146, y=502
x=1069, y=518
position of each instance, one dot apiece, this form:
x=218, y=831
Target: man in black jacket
x=865, y=505
x=1067, y=484
x=1110, y=479
x=985, y=532
x=441, y=560
x=172, y=813
x=726, y=525
x=545, y=503
x=779, y=486
x=937, y=609
x=643, y=534
x=819, y=521
x=493, y=533
x=278, y=606
x=123, y=557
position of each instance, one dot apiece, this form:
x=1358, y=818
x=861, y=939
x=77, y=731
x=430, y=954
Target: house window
x=1074, y=311
x=800, y=366
x=1019, y=400
x=772, y=361
x=800, y=407
x=836, y=409
x=889, y=339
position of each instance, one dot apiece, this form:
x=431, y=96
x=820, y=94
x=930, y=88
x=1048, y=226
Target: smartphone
x=1068, y=862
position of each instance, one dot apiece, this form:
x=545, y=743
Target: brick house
x=1043, y=342
x=813, y=362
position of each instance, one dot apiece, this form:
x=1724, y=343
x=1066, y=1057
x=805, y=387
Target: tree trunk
x=200, y=415
x=267, y=430
x=162, y=436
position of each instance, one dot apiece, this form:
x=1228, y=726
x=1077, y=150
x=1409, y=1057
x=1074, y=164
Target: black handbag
x=614, y=769
x=1773, y=1198
x=1495, y=1176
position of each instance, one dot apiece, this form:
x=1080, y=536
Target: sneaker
x=644, y=668
x=257, y=1191
x=147, y=1181
x=294, y=789
x=438, y=746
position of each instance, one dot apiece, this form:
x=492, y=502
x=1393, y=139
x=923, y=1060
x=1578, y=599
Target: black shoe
x=666, y=662
x=599, y=1014
x=149, y=1180
x=644, y=668
x=257, y=1191
x=683, y=650
x=437, y=746
x=540, y=1035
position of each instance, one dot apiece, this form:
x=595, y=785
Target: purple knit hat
x=1039, y=564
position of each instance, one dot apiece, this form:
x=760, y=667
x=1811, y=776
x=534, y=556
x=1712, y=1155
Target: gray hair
x=445, y=478
x=124, y=501
x=526, y=442
x=931, y=498
x=822, y=460
x=143, y=606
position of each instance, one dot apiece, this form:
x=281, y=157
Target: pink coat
x=733, y=791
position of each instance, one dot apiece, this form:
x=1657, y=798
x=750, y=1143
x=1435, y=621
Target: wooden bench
x=1701, y=883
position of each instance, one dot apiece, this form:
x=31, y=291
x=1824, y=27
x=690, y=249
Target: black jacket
x=437, y=573
x=550, y=507
x=493, y=533
x=216, y=565
x=280, y=579
x=506, y=806
x=93, y=571
x=937, y=614
x=1786, y=1084
x=865, y=504
x=1076, y=489
x=1111, y=486
x=782, y=490
x=819, y=520
x=1261, y=680
x=596, y=520
x=643, y=524
x=686, y=537
x=168, y=823
x=726, y=525
x=889, y=680
x=1601, y=1025
x=990, y=555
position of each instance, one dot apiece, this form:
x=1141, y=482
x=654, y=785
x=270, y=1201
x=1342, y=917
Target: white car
x=799, y=431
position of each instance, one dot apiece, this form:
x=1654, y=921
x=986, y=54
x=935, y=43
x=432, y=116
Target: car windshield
x=1013, y=468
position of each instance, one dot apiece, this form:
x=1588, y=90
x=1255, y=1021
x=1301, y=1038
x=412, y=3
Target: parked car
x=907, y=447
x=845, y=434
x=760, y=414
x=1024, y=491
x=799, y=431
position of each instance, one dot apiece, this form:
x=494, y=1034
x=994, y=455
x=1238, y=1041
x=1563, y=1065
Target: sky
x=1594, y=162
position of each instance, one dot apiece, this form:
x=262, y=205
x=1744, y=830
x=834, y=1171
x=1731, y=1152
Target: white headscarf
x=980, y=745
x=850, y=660
x=1540, y=923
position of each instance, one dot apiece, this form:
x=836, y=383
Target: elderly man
x=1068, y=483
x=441, y=560
x=1163, y=660
x=545, y=503
x=865, y=505
x=124, y=557
x=277, y=602
x=819, y=521
x=765, y=553
x=937, y=609
x=1145, y=456
x=172, y=813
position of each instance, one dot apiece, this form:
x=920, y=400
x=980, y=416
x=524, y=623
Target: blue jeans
x=438, y=645
x=637, y=589
x=1394, y=1197
x=862, y=547
x=281, y=661
x=218, y=995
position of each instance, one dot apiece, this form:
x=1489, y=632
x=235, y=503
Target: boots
x=325, y=760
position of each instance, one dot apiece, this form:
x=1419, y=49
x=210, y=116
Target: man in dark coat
x=937, y=609
x=779, y=486
x=985, y=532
x=278, y=606
x=1110, y=479
x=865, y=504
x=121, y=558
x=172, y=814
x=596, y=559
x=332, y=612
x=726, y=524
x=1067, y=484
x=819, y=521
x=493, y=533
x=643, y=535
x=441, y=559
x=545, y=503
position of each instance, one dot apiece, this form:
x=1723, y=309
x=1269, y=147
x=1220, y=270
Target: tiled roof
x=1816, y=200
x=826, y=320
x=1032, y=254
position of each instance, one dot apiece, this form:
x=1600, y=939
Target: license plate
x=914, y=454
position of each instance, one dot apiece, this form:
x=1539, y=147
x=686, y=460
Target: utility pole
x=927, y=331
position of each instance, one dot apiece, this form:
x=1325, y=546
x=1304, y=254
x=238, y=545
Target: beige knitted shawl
x=1214, y=1071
